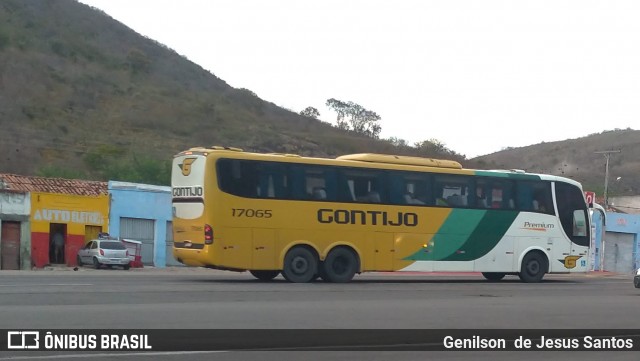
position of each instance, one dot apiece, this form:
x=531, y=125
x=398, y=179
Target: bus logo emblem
x=570, y=261
x=185, y=166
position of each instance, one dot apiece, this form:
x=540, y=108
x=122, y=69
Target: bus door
x=572, y=212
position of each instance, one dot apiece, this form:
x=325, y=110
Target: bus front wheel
x=300, y=265
x=340, y=265
x=533, y=268
x=265, y=275
x=493, y=276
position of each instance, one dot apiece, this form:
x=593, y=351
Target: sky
x=478, y=76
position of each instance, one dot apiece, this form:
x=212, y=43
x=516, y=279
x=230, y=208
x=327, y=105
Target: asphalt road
x=187, y=298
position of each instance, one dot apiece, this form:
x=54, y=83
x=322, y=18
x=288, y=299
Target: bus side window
x=319, y=194
x=452, y=190
x=534, y=196
x=525, y=196
x=238, y=177
x=364, y=186
x=371, y=197
x=410, y=198
x=396, y=189
x=455, y=200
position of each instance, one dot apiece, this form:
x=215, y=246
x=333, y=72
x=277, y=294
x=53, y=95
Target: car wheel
x=79, y=261
x=96, y=263
x=126, y=267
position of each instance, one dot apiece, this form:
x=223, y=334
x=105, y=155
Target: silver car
x=107, y=252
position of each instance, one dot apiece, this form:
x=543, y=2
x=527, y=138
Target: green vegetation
x=310, y=112
x=113, y=163
x=108, y=165
x=57, y=172
x=355, y=117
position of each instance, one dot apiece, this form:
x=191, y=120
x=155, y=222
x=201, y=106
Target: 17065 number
x=251, y=213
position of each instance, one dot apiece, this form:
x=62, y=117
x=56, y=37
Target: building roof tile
x=21, y=183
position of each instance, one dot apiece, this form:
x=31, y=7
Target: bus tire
x=340, y=265
x=300, y=265
x=493, y=276
x=534, y=266
x=265, y=276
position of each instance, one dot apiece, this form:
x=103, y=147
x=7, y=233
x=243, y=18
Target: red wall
x=40, y=249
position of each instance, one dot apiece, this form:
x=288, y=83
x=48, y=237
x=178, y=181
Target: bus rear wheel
x=264, y=275
x=300, y=265
x=493, y=276
x=340, y=265
x=533, y=268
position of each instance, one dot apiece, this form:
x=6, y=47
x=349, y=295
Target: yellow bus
x=310, y=218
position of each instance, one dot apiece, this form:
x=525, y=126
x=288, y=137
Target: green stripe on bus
x=466, y=235
x=452, y=235
x=484, y=238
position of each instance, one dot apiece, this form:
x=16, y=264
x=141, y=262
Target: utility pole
x=607, y=155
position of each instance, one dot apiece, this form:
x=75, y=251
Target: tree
x=355, y=117
x=434, y=147
x=310, y=112
x=398, y=142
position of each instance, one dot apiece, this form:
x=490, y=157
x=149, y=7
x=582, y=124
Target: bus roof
x=401, y=159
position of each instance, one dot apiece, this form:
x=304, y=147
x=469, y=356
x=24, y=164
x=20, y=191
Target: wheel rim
x=299, y=265
x=533, y=267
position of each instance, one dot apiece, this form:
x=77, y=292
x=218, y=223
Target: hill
x=82, y=95
x=577, y=159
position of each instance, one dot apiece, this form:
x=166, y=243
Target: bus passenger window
x=372, y=197
x=409, y=198
x=481, y=198
x=455, y=200
x=319, y=193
